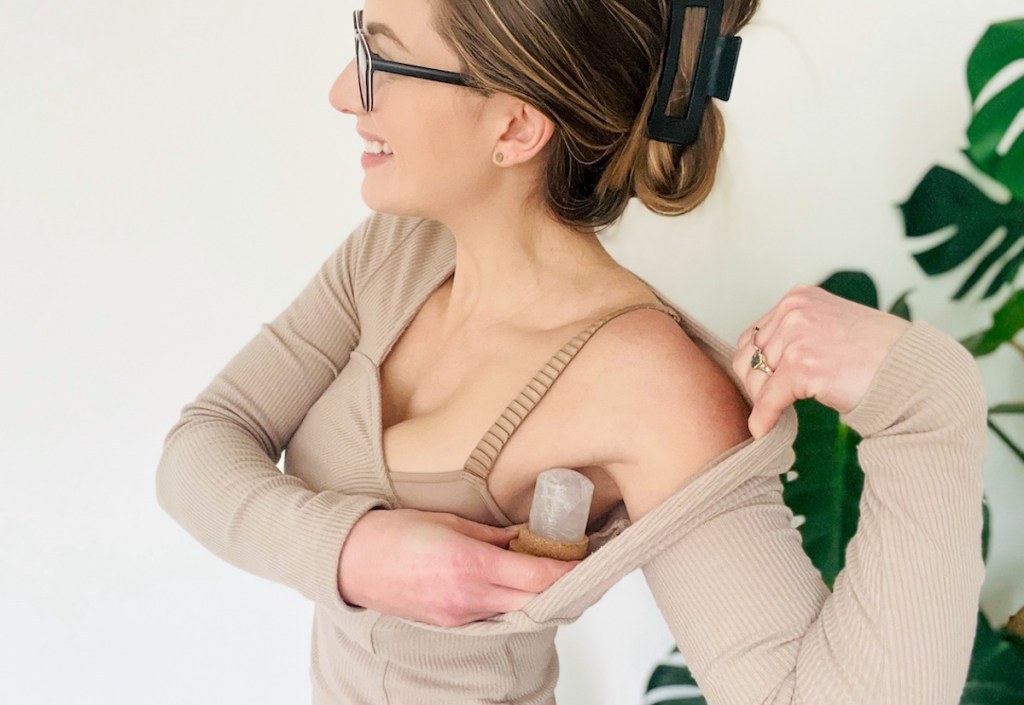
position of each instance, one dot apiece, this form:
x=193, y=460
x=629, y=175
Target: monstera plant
x=823, y=488
x=945, y=199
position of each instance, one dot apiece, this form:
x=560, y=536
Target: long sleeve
x=753, y=617
x=217, y=476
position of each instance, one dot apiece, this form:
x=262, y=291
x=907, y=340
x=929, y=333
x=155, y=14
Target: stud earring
x=498, y=157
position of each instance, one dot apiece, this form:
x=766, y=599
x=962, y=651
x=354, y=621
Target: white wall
x=171, y=175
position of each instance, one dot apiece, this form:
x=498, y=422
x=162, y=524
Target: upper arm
x=668, y=408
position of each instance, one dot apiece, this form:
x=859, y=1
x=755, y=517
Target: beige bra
x=464, y=492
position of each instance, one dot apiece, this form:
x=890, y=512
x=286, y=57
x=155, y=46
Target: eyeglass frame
x=374, y=62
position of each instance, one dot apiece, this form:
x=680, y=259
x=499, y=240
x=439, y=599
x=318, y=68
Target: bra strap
x=483, y=457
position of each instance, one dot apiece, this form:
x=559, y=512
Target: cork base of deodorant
x=529, y=542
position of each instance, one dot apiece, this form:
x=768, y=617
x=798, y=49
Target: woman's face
x=441, y=148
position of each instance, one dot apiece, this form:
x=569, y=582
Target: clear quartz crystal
x=561, y=505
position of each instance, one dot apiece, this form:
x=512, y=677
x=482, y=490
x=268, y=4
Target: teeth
x=373, y=147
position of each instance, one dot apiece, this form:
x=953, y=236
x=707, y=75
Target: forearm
x=753, y=617
x=221, y=487
x=924, y=428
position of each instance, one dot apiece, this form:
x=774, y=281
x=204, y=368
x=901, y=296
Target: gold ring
x=757, y=360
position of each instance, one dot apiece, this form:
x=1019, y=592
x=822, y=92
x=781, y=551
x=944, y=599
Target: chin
x=377, y=201
x=388, y=203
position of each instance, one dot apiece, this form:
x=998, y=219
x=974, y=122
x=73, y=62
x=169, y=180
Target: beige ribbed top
x=749, y=612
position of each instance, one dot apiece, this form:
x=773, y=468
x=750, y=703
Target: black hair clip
x=716, y=68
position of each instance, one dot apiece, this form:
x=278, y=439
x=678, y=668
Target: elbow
x=178, y=457
x=169, y=485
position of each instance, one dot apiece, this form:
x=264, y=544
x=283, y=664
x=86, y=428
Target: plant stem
x=1006, y=439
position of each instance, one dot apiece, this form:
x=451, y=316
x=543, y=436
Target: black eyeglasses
x=367, y=62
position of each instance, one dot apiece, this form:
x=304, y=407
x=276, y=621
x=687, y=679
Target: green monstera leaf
x=1011, y=408
x=1007, y=322
x=823, y=489
x=945, y=199
x=996, y=673
x=995, y=123
x=671, y=683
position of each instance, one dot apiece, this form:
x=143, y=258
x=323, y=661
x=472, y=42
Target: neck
x=509, y=270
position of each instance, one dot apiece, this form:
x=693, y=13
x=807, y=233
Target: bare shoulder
x=661, y=408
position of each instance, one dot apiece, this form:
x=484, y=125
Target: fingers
x=771, y=321
x=518, y=571
x=749, y=335
x=770, y=393
x=447, y=570
x=817, y=346
x=498, y=581
x=523, y=572
x=775, y=394
x=498, y=599
x=470, y=601
x=771, y=354
x=495, y=535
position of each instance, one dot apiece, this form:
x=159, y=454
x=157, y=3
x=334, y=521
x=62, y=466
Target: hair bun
x=674, y=180
x=600, y=155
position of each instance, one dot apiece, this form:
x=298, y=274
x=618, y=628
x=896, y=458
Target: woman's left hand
x=819, y=346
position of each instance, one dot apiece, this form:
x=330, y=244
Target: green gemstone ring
x=757, y=362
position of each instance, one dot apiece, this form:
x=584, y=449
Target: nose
x=344, y=93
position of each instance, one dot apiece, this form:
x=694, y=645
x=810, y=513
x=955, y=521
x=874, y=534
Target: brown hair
x=592, y=66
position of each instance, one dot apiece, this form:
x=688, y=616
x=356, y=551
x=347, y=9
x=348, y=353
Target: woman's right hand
x=439, y=568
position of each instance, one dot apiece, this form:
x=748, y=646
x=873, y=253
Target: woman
x=500, y=137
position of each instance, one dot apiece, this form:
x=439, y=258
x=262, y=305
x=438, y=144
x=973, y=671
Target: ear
x=527, y=131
